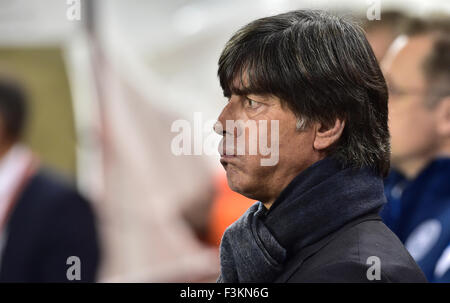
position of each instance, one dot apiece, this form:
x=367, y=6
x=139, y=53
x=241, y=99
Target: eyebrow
x=245, y=91
x=264, y=97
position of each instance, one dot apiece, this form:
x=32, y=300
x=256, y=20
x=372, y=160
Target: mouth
x=227, y=159
x=224, y=163
x=227, y=154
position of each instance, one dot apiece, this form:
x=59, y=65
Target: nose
x=226, y=114
x=218, y=128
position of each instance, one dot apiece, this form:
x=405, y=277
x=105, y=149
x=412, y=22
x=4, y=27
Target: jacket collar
x=296, y=261
x=320, y=200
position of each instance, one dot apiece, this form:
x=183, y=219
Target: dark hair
x=13, y=108
x=323, y=68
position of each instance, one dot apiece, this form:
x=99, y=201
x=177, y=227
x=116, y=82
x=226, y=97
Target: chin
x=242, y=186
x=234, y=182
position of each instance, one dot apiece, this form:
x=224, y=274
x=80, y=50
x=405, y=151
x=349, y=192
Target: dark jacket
x=49, y=223
x=344, y=255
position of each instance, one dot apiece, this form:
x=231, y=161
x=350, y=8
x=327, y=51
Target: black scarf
x=316, y=203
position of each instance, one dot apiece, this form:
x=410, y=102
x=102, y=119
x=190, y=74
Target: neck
x=287, y=178
x=412, y=167
x=272, y=197
x=268, y=204
x=444, y=151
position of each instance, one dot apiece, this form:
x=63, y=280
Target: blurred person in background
x=381, y=33
x=43, y=221
x=417, y=70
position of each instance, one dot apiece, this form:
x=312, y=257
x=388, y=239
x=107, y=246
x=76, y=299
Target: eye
x=251, y=103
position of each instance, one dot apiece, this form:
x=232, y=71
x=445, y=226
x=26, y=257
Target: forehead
x=407, y=65
x=255, y=88
x=241, y=87
x=240, y=82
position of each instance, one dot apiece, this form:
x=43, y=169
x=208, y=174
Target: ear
x=327, y=135
x=443, y=117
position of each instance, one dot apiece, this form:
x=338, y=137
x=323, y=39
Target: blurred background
x=104, y=91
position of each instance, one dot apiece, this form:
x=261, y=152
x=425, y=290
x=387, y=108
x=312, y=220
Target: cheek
x=411, y=128
x=294, y=143
x=260, y=140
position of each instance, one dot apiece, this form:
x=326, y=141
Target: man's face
x=411, y=122
x=245, y=173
